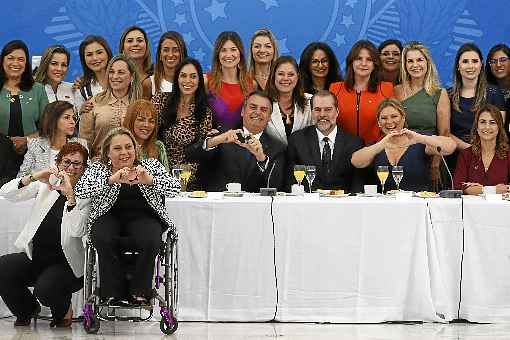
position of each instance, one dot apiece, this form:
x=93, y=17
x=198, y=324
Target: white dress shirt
x=332, y=138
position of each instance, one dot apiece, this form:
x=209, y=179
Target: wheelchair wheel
x=171, y=275
x=168, y=326
x=91, y=323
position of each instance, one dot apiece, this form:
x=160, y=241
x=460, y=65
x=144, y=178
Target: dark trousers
x=111, y=234
x=53, y=286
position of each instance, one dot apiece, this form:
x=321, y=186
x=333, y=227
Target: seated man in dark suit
x=326, y=146
x=247, y=155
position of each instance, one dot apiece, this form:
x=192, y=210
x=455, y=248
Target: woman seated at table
x=487, y=161
x=403, y=147
x=53, y=256
x=142, y=120
x=127, y=210
x=55, y=130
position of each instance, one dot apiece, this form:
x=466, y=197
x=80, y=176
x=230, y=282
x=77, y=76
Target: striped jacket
x=94, y=185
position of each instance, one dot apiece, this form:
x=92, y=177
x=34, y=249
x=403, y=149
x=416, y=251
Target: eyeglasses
x=76, y=164
x=316, y=62
x=501, y=60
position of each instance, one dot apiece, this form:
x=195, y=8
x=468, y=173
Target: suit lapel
x=337, y=151
x=313, y=146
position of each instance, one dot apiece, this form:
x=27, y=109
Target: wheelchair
x=95, y=311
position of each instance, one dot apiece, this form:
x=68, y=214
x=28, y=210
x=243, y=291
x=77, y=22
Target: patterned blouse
x=182, y=133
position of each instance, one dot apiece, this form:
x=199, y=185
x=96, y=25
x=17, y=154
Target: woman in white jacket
x=291, y=106
x=52, y=256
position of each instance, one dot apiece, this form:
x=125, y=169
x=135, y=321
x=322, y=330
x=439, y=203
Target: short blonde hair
x=107, y=142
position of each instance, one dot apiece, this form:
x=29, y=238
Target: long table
x=333, y=259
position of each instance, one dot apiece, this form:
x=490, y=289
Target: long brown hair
x=502, y=147
x=147, y=59
x=242, y=73
x=353, y=55
x=263, y=32
x=298, y=93
x=142, y=107
x=431, y=83
x=135, y=88
x=158, y=65
x=481, y=83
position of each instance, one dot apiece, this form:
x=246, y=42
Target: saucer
x=233, y=193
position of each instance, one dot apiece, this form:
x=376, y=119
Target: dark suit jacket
x=304, y=149
x=229, y=163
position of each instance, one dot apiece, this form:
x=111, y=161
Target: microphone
x=267, y=191
x=451, y=193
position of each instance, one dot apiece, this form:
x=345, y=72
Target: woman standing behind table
x=171, y=51
x=142, y=120
x=403, y=147
x=186, y=116
x=21, y=103
x=291, y=106
x=468, y=94
x=318, y=67
x=361, y=92
x=263, y=53
x=228, y=82
x=425, y=101
x=52, y=72
x=56, y=129
x=391, y=54
x=487, y=160
x=126, y=194
x=134, y=43
x=497, y=71
x=110, y=106
x=95, y=53
x=52, y=257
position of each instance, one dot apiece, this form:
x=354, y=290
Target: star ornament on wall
x=347, y=21
x=339, y=39
x=270, y=3
x=180, y=19
x=217, y=10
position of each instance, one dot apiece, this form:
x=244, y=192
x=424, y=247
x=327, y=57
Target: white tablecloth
x=356, y=260
x=486, y=266
x=225, y=259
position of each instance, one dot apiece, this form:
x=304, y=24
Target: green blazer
x=33, y=103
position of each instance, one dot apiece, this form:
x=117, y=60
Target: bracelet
x=31, y=178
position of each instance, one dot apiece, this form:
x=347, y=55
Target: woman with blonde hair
x=142, y=120
x=228, y=83
x=426, y=102
x=110, y=106
x=262, y=54
x=403, y=147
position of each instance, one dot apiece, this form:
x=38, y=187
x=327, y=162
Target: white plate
x=370, y=195
x=194, y=196
x=335, y=196
x=233, y=193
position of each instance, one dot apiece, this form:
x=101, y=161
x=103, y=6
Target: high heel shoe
x=65, y=322
x=20, y=322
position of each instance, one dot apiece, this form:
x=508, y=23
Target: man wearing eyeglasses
x=326, y=146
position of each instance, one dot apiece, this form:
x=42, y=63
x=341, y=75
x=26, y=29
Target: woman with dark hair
x=51, y=73
x=134, y=43
x=95, y=53
x=142, y=120
x=391, y=52
x=228, y=83
x=186, y=117
x=21, y=102
x=110, y=106
x=52, y=257
x=56, y=129
x=487, y=160
x=402, y=147
x=171, y=51
x=285, y=89
x=468, y=94
x=127, y=210
x=318, y=67
x=262, y=54
x=497, y=71
x=361, y=92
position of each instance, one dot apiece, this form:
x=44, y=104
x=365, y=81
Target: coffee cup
x=488, y=190
x=233, y=187
x=370, y=189
x=297, y=189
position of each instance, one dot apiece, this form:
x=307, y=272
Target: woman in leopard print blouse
x=186, y=117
